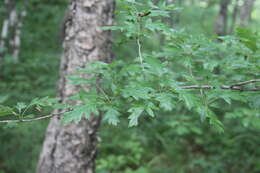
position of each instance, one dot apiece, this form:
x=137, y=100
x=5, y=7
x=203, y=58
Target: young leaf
x=20, y=106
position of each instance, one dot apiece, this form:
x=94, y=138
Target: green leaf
x=226, y=98
x=135, y=114
x=112, y=28
x=166, y=101
x=11, y=125
x=214, y=121
x=202, y=110
x=155, y=26
x=45, y=101
x=131, y=1
x=248, y=38
x=61, y=106
x=150, y=111
x=20, y=106
x=189, y=99
x=255, y=101
x=5, y=110
x=111, y=116
x=137, y=92
x=155, y=66
x=131, y=69
x=95, y=67
x=78, y=112
x=77, y=80
x=156, y=13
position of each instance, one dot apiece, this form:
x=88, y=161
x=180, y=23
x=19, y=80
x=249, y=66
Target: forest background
x=156, y=144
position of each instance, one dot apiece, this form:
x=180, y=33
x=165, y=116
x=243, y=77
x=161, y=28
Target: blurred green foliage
x=176, y=141
x=34, y=76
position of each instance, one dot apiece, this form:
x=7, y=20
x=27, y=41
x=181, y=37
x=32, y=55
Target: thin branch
x=103, y=92
x=228, y=87
x=140, y=53
x=197, y=87
x=31, y=120
x=139, y=44
x=238, y=88
x=246, y=82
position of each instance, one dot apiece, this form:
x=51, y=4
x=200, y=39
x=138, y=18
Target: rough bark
x=221, y=22
x=245, y=12
x=72, y=148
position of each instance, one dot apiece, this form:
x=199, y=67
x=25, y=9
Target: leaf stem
x=140, y=53
x=33, y=119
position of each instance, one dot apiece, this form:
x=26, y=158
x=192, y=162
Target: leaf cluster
x=153, y=81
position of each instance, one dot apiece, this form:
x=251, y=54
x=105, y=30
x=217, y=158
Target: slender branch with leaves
x=185, y=69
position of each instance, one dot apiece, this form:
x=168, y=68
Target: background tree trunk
x=245, y=12
x=234, y=16
x=72, y=148
x=10, y=40
x=221, y=22
x=8, y=6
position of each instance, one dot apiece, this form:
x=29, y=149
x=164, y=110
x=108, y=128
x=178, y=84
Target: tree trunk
x=245, y=12
x=15, y=41
x=221, y=22
x=10, y=41
x=8, y=5
x=234, y=16
x=72, y=148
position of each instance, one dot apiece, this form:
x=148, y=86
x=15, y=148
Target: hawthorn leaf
x=111, y=116
x=20, y=106
x=165, y=100
x=78, y=112
x=135, y=114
